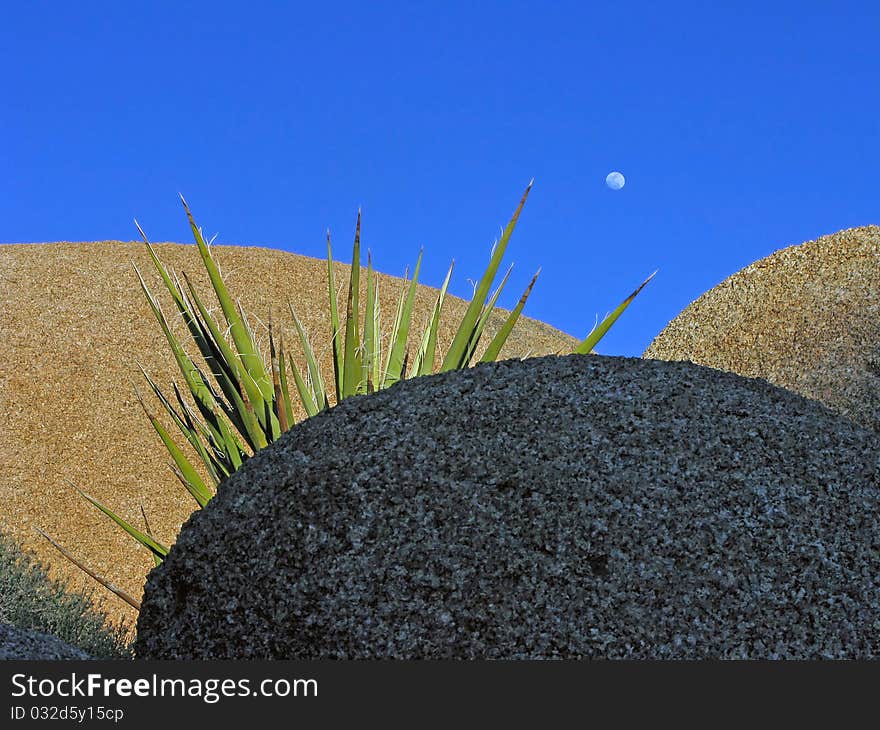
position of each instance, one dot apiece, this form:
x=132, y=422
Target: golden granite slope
x=806, y=318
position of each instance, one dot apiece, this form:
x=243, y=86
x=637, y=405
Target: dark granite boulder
x=578, y=506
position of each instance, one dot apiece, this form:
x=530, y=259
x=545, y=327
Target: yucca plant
x=241, y=397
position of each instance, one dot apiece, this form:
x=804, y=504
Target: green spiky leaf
x=586, y=347
x=456, y=357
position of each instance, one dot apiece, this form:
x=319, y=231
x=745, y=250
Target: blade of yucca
x=197, y=384
x=203, y=334
x=210, y=450
x=230, y=375
x=157, y=561
x=418, y=362
x=424, y=360
x=224, y=451
x=270, y=412
x=395, y=367
x=220, y=434
x=369, y=343
x=180, y=477
x=92, y=574
x=456, y=357
x=376, y=372
x=335, y=333
x=280, y=412
x=232, y=447
x=285, y=391
x=305, y=394
x=196, y=327
x=351, y=359
x=250, y=419
x=184, y=423
x=260, y=394
x=586, y=347
x=318, y=391
x=173, y=287
x=200, y=388
x=219, y=356
x=148, y=542
x=431, y=346
x=264, y=408
x=252, y=430
x=404, y=364
x=194, y=483
x=395, y=327
x=216, y=351
x=484, y=318
x=186, y=428
x=247, y=350
x=492, y=352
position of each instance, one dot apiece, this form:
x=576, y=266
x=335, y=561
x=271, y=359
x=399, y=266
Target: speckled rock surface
x=578, y=506
x=19, y=644
x=806, y=318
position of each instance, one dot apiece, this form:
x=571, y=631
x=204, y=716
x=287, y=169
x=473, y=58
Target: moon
x=615, y=180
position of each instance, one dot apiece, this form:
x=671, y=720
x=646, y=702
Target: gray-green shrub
x=31, y=599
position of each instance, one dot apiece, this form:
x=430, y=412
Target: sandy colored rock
x=806, y=318
x=579, y=506
x=75, y=325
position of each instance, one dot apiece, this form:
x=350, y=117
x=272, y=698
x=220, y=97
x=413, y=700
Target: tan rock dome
x=76, y=324
x=806, y=318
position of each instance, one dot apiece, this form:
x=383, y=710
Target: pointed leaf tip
x=140, y=230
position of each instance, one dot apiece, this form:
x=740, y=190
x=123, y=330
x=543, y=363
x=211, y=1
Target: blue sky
x=741, y=127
